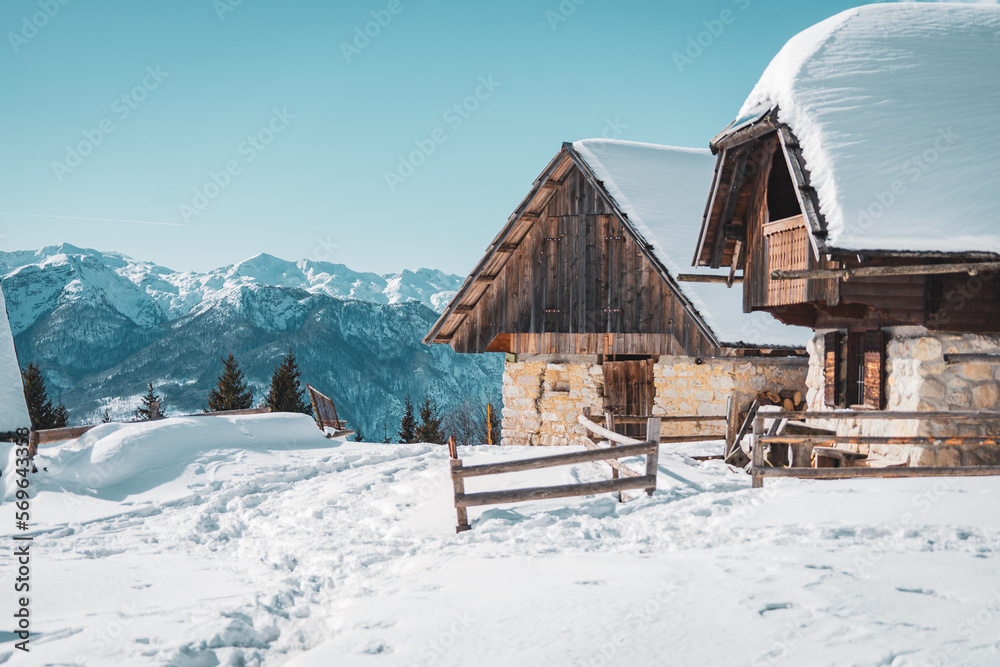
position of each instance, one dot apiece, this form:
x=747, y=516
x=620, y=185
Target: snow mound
x=662, y=190
x=13, y=409
x=114, y=461
x=895, y=107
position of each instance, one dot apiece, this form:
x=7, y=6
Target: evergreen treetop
x=429, y=429
x=40, y=410
x=145, y=410
x=232, y=391
x=408, y=425
x=286, y=393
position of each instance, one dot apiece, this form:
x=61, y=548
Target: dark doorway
x=629, y=392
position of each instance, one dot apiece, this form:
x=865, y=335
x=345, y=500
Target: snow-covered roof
x=13, y=409
x=662, y=191
x=896, y=107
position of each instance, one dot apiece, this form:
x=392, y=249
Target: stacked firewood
x=788, y=399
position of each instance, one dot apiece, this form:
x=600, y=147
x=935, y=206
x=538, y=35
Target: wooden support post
x=652, y=458
x=452, y=447
x=489, y=424
x=758, y=451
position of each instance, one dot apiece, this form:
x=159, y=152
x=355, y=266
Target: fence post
x=758, y=452
x=459, y=486
x=489, y=424
x=652, y=458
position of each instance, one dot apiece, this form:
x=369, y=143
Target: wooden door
x=629, y=391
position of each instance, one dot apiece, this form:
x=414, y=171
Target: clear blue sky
x=199, y=77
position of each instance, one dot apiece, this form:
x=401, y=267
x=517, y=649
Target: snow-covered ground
x=254, y=541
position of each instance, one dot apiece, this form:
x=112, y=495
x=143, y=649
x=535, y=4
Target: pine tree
x=430, y=422
x=408, y=426
x=385, y=434
x=60, y=415
x=286, y=394
x=145, y=411
x=39, y=406
x=232, y=391
x=106, y=417
x=358, y=435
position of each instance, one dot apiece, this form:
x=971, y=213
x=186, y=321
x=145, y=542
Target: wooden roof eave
x=512, y=221
x=644, y=246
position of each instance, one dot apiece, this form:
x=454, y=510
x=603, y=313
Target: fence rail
x=463, y=500
x=839, y=466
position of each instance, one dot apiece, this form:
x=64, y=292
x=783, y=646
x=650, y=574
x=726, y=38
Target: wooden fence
x=633, y=480
x=840, y=463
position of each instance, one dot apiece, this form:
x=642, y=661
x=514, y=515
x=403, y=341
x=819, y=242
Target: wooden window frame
x=854, y=369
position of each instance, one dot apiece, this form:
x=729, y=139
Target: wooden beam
x=962, y=358
x=555, y=460
x=733, y=196
x=616, y=466
x=696, y=278
x=464, y=308
x=545, y=492
x=882, y=414
x=845, y=473
x=507, y=247
x=550, y=185
x=972, y=268
x=485, y=279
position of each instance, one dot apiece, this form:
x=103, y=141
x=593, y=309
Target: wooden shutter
x=831, y=362
x=874, y=366
x=629, y=390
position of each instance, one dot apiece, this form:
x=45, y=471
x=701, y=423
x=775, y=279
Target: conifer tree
x=145, y=410
x=358, y=435
x=60, y=415
x=232, y=391
x=39, y=406
x=430, y=422
x=385, y=434
x=106, y=417
x=408, y=425
x=286, y=394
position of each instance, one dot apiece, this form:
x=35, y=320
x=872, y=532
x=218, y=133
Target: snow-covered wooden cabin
x=580, y=290
x=13, y=409
x=866, y=162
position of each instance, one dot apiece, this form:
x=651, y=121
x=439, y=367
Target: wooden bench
x=326, y=414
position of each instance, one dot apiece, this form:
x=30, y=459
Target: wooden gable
x=569, y=275
x=763, y=216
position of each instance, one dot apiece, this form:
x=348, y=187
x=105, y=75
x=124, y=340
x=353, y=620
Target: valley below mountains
x=101, y=325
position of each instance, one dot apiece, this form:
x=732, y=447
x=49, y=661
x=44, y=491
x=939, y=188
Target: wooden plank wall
x=576, y=271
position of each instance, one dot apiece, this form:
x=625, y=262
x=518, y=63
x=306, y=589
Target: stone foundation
x=918, y=379
x=545, y=394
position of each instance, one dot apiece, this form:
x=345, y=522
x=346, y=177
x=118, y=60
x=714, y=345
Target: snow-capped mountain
x=101, y=325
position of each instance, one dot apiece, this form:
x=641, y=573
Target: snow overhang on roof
x=895, y=108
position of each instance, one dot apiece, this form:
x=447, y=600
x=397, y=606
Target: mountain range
x=102, y=325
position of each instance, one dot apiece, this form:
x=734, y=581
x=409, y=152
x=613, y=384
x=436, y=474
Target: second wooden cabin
x=580, y=290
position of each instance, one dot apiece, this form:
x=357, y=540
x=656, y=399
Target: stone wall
x=918, y=379
x=545, y=394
